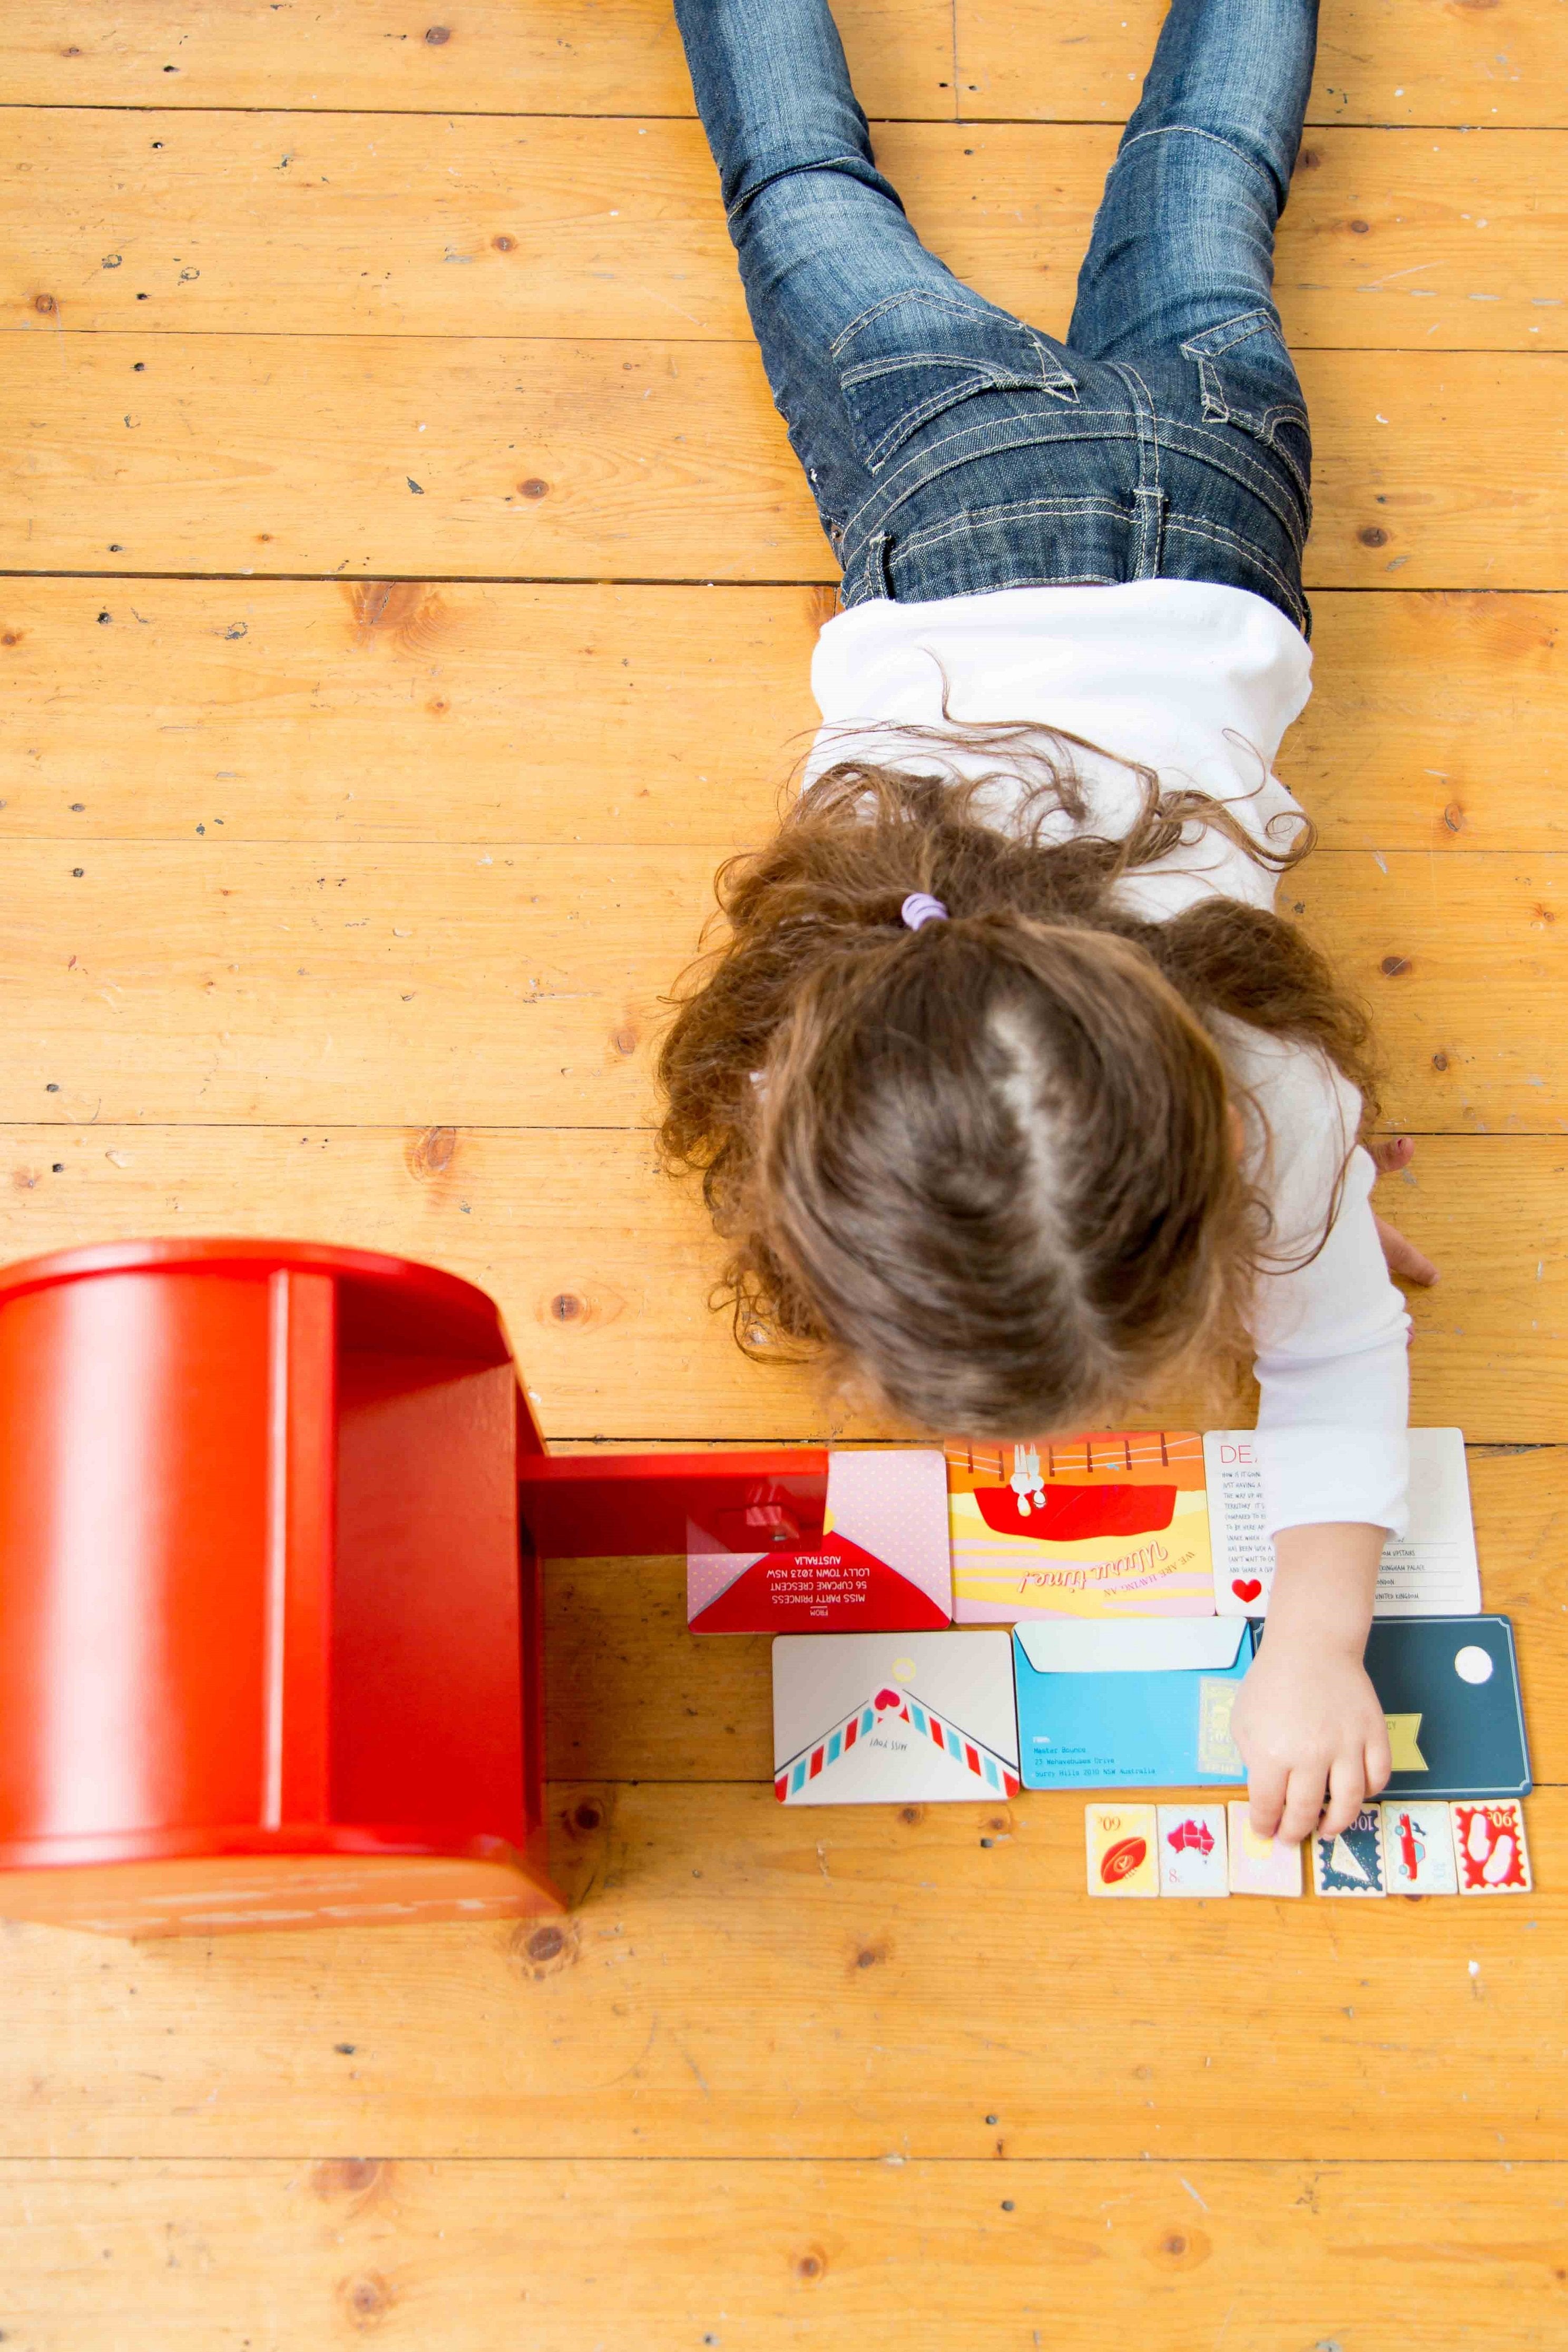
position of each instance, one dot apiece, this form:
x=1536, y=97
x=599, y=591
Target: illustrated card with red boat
x=1112, y=1524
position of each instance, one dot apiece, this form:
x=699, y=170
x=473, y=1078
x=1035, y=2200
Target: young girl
x=1011, y=1089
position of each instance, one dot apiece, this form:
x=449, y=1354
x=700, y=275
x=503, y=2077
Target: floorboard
x=290, y=710
x=331, y=226
x=366, y=456
x=603, y=1269
x=1381, y=62
x=741, y=1978
x=460, y=2254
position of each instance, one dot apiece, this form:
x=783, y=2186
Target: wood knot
x=366, y=2300
x=430, y=1154
x=347, y=2176
x=579, y=1310
x=1454, y=816
x=1358, y=228
x=11, y=637
x=1439, y=1061
x=588, y=1815
x=438, y=706
x=624, y=1038
x=408, y=613
x=872, y=1956
x=1395, y=967
x=542, y=1949
x=1308, y=160
x=812, y=2265
x=910, y=1815
x=44, y=303
x=1180, y=2250
x=1372, y=534
x=503, y=244
x=534, y=488
x=437, y=36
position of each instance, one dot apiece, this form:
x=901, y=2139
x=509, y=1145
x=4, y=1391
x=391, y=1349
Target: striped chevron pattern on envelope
x=988, y=1770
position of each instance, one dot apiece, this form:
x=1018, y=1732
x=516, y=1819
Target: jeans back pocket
x=1246, y=377
x=917, y=353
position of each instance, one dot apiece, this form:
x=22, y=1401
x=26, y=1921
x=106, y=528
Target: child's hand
x=1307, y=1719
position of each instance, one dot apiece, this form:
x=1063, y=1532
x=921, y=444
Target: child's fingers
x=1303, y=1806
x=1379, y=1762
x=1347, y=1794
x=1402, y=1257
x=1266, y=1798
x=1392, y=1153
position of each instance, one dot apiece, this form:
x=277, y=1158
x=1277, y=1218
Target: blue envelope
x=1130, y=1703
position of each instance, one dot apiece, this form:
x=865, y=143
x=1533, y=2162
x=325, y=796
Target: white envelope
x=1131, y=1645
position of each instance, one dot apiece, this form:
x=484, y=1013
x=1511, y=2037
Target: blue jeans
x=950, y=447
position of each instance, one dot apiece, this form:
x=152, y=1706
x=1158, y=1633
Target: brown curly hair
x=989, y=1168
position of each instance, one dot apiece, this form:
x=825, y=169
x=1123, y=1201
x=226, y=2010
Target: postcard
x=1109, y=1525
x=1432, y=1571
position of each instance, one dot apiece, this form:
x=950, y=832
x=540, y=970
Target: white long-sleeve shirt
x=1199, y=682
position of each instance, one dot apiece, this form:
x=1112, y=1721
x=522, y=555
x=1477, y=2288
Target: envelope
x=1129, y=1703
x=893, y=1719
x=1449, y=1692
x=881, y=1563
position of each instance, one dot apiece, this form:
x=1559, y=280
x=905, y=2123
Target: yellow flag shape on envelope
x=1402, y=1731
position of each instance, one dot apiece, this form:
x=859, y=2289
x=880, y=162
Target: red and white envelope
x=882, y=1563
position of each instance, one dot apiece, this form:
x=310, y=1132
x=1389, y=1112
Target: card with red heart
x=1431, y=1570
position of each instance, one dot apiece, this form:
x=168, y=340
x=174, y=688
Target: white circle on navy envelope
x=1474, y=1664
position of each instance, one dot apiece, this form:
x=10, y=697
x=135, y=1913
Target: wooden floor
x=408, y=595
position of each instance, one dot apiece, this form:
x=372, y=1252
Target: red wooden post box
x=269, y=1647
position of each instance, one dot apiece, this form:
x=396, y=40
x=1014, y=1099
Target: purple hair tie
x=920, y=908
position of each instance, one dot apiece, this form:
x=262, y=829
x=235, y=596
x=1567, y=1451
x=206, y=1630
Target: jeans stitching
x=1192, y=442
x=1148, y=496
x=1205, y=352
x=1183, y=525
x=935, y=534
x=1191, y=131
x=939, y=299
x=742, y=204
x=984, y=377
x=1239, y=329
x=1256, y=480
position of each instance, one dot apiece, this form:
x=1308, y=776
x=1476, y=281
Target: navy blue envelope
x=1451, y=1686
